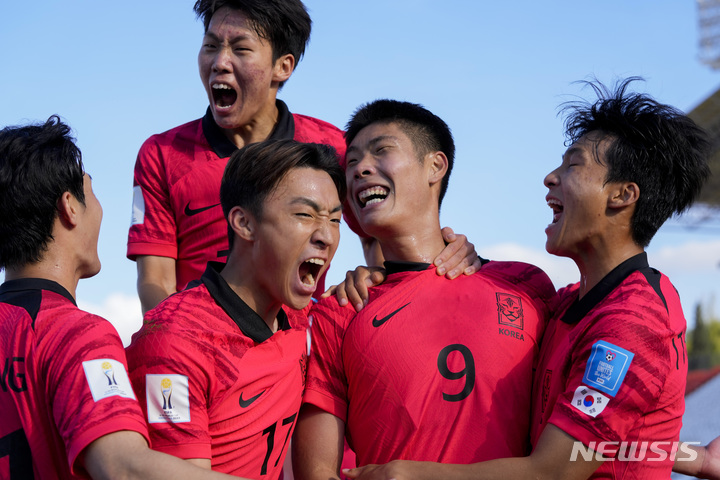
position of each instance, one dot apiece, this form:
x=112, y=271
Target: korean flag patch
x=606, y=367
x=589, y=401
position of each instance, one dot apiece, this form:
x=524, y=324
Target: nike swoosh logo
x=190, y=211
x=376, y=323
x=249, y=401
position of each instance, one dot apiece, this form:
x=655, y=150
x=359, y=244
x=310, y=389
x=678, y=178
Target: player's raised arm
x=156, y=280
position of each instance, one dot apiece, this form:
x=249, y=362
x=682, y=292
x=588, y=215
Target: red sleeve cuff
x=185, y=451
x=134, y=249
x=327, y=403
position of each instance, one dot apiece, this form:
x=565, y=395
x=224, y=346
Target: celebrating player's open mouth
x=224, y=96
x=372, y=195
x=308, y=273
x=557, y=208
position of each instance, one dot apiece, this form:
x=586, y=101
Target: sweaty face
x=385, y=178
x=236, y=69
x=297, y=236
x=578, y=196
x=91, y=215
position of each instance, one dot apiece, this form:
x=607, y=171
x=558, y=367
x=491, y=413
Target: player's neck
x=596, y=264
x=258, y=129
x=242, y=283
x=48, y=268
x=415, y=245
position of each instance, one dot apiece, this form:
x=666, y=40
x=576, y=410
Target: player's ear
x=623, y=194
x=242, y=223
x=437, y=167
x=68, y=208
x=283, y=67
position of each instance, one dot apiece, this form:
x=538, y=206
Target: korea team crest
x=510, y=310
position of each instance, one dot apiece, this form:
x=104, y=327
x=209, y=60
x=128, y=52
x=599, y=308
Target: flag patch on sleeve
x=606, y=367
x=589, y=401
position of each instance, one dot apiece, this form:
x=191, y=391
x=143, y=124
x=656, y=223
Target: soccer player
x=250, y=49
x=68, y=410
x=609, y=389
x=220, y=367
x=430, y=369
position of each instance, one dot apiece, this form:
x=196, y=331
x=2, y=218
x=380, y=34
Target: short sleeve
x=618, y=368
x=170, y=369
x=87, y=384
x=153, y=226
x=326, y=385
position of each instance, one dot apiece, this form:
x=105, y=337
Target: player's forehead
x=228, y=21
x=378, y=132
x=591, y=146
x=307, y=186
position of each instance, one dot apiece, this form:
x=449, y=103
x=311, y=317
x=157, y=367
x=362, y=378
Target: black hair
x=286, y=24
x=656, y=146
x=38, y=164
x=253, y=172
x=427, y=132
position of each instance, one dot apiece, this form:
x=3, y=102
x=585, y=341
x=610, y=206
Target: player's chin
x=550, y=247
x=227, y=118
x=298, y=302
x=555, y=248
x=91, y=269
x=299, y=295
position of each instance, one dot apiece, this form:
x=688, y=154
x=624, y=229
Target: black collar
x=223, y=147
x=24, y=284
x=249, y=322
x=27, y=293
x=612, y=280
x=400, y=266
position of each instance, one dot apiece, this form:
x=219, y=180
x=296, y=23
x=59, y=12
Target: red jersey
x=176, y=194
x=64, y=382
x=433, y=369
x=215, y=382
x=613, y=369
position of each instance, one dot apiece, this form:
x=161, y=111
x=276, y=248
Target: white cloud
x=690, y=257
x=120, y=309
x=561, y=271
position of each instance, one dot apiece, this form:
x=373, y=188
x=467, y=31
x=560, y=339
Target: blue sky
x=118, y=72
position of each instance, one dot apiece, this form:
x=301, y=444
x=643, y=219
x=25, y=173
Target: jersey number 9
x=468, y=371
